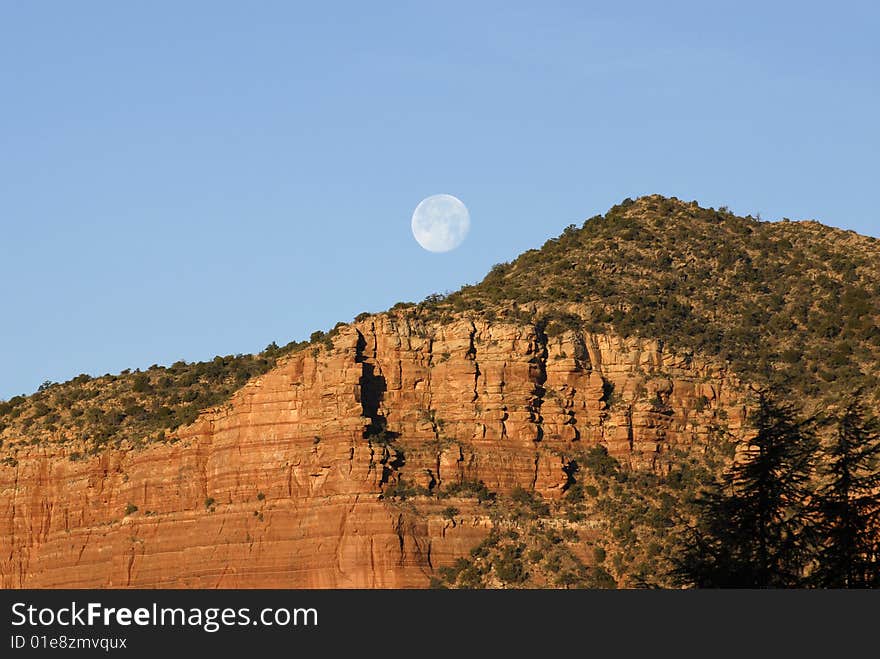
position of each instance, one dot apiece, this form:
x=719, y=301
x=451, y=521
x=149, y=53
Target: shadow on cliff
x=373, y=387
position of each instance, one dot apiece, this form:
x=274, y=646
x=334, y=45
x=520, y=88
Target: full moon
x=440, y=223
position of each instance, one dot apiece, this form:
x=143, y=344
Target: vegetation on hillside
x=134, y=407
x=785, y=304
x=614, y=527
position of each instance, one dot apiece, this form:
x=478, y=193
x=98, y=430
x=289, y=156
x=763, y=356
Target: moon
x=440, y=223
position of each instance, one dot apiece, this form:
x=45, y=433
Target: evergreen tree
x=848, y=503
x=752, y=531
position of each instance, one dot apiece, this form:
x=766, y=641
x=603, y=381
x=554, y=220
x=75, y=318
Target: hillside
x=792, y=304
x=549, y=426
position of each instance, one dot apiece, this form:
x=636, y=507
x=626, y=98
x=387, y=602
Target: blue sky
x=185, y=179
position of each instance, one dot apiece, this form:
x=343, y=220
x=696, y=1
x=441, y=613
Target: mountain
x=792, y=304
x=549, y=426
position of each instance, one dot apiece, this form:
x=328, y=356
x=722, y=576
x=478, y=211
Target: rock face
x=287, y=484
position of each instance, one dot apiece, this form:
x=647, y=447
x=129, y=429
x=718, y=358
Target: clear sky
x=185, y=179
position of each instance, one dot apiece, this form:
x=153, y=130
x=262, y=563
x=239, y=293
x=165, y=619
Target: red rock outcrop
x=283, y=486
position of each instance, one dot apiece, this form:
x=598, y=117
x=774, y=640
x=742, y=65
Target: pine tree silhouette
x=753, y=528
x=848, y=503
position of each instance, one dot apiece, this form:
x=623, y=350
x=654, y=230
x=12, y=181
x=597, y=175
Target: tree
x=848, y=503
x=752, y=530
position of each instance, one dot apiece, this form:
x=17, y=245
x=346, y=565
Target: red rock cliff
x=280, y=487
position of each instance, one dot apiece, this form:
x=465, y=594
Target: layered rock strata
x=287, y=485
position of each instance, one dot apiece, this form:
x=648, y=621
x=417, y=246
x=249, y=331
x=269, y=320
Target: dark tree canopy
x=848, y=503
x=754, y=531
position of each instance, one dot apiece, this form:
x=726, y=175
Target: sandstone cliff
x=287, y=485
